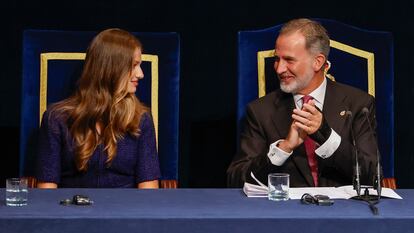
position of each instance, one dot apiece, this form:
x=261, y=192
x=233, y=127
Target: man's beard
x=296, y=85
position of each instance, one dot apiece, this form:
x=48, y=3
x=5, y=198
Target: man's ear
x=319, y=62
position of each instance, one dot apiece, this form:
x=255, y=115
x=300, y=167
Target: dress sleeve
x=147, y=167
x=50, y=142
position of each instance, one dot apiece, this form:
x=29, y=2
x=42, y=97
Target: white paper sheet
x=342, y=192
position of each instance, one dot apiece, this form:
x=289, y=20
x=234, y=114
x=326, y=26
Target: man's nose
x=279, y=67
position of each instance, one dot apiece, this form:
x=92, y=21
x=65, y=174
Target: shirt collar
x=318, y=95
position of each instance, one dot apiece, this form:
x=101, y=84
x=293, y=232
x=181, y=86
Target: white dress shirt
x=277, y=156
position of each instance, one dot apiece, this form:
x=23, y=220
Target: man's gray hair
x=316, y=36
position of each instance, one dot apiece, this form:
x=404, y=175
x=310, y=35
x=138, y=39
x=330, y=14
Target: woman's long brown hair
x=102, y=97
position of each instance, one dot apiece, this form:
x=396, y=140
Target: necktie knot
x=306, y=98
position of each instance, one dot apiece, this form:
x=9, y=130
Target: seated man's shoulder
x=267, y=99
x=264, y=106
x=352, y=91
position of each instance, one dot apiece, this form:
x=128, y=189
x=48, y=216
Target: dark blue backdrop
x=208, y=31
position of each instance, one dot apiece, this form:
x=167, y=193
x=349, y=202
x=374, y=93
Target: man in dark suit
x=305, y=127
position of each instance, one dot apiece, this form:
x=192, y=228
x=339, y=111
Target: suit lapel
x=282, y=111
x=334, y=108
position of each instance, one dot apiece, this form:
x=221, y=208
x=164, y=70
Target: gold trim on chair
x=154, y=88
x=364, y=54
x=45, y=57
x=262, y=55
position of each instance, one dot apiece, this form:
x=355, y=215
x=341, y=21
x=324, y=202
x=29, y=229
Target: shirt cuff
x=276, y=155
x=330, y=146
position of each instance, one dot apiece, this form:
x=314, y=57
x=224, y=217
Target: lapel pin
x=342, y=113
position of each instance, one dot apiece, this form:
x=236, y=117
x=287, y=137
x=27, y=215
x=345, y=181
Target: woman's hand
x=153, y=184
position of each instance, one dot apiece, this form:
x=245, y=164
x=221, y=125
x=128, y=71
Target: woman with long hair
x=101, y=136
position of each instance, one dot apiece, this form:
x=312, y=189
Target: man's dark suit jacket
x=268, y=119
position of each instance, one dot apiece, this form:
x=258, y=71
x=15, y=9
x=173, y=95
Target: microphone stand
x=356, y=181
x=378, y=171
x=372, y=200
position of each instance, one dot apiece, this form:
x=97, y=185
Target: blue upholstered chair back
x=358, y=57
x=52, y=63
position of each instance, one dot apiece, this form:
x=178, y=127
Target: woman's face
x=136, y=73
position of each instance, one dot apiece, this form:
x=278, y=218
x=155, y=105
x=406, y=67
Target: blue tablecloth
x=199, y=210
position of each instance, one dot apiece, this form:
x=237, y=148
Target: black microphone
x=378, y=171
x=356, y=180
